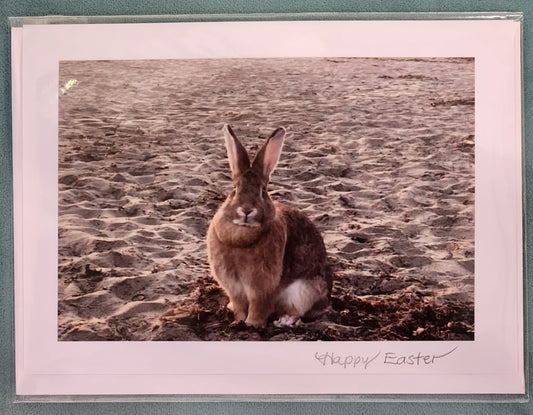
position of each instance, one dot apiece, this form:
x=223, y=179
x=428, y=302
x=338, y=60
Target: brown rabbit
x=269, y=258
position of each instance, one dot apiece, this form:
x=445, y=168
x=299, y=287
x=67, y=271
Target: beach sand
x=379, y=153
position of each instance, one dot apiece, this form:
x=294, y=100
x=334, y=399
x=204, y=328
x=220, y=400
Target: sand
x=379, y=153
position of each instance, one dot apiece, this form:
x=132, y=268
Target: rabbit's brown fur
x=269, y=258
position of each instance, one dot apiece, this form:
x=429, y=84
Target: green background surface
x=9, y=8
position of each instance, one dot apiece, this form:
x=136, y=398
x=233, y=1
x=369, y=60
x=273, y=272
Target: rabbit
x=268, y=257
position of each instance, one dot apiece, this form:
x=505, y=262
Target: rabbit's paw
x=255, y=323
x=288, y=321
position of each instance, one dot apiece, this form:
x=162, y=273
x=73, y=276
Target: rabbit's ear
x=267, y=158
x=238, y=157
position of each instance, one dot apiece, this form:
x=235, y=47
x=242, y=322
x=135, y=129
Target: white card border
x=46, y=366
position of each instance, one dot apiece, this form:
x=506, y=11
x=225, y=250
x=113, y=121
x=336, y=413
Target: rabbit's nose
x=246, y=211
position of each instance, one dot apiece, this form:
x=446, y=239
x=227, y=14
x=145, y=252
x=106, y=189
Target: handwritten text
x=349, y=361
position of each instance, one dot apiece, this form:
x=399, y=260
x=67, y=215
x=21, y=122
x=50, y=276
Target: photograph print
x=275, y=199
